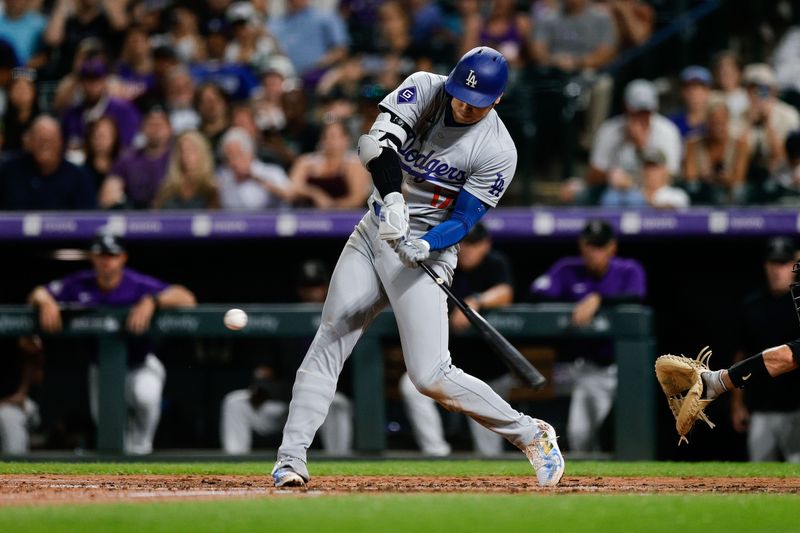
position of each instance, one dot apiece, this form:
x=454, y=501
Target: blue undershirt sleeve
x=466, y=213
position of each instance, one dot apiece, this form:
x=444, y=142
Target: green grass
x=415, y=468
x=416, y=512
x=408, y=513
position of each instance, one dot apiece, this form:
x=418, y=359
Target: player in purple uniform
x=111, y=283
x=596, y=277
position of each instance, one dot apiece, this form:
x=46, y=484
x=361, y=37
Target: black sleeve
x=386, y=172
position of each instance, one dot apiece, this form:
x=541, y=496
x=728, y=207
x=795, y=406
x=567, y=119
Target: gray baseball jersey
x=480, y=158
x=369, y=276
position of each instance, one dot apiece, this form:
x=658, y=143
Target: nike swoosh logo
x=745, y=378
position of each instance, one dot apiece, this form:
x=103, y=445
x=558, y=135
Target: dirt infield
x=36, y=489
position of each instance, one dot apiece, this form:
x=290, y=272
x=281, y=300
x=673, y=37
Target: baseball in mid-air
x=235, y=319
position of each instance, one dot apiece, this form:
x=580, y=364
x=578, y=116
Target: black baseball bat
x=510, y=355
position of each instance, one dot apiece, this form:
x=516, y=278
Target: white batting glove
x=413, y=251
x=394, y=218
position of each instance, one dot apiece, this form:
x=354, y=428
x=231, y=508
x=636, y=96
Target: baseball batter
x=440, y=157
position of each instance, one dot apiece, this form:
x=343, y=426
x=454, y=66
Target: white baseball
x=235, y=319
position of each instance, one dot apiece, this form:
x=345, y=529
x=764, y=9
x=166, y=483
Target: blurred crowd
x=249, y=105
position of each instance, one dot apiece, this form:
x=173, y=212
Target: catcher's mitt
x=679, y=377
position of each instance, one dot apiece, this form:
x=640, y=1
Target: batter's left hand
x=413, y=251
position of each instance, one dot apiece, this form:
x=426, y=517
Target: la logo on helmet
x=472, y=81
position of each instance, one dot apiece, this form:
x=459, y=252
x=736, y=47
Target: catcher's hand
x=680, y=378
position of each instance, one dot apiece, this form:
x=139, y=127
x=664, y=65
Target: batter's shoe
x=544, y=455
x=290, y=472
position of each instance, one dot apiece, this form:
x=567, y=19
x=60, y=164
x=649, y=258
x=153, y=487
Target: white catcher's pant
x=144, y=386
x=592, y=399
x=367, y=277
x=426, y=422
x=15, y=423
x=774, y=436
x=239, y=420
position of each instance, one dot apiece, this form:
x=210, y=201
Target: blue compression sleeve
x=466, y=213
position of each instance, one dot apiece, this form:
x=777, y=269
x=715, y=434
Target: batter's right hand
x=413, y=251
x=394, y=218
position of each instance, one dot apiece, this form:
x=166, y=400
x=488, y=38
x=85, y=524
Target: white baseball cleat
x=544, y=455
x=290, y=472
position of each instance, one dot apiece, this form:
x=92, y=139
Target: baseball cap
x=696, y=74
x=240, y=12
x=641, y=95
x=93, y=69
x=278, y=64
x=597, y=232
x=106, y=243
x=653, y=156
x=780, y=250
x=759, y=74
x=313, y=273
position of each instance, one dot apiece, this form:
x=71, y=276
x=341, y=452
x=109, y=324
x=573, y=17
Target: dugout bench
x=630, y=327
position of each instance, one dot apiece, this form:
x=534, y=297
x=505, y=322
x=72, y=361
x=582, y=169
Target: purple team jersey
x=124, y=114
x=569, y=281
x=81, y=288
x=142, y=175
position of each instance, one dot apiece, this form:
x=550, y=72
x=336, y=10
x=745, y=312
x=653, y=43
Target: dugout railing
x=629, y=326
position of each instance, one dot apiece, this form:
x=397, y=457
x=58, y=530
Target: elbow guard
x=378, y=152
x=382, y=162
x=368, y=148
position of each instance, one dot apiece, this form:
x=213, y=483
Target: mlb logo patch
x=407, y=95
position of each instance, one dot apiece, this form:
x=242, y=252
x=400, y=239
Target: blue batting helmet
x=479, y=78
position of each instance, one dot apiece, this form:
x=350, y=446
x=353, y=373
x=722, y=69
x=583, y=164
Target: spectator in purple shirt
x=98, y=103
x=40, y=178
x=136, y=177
x=596, y=277
x=110, y=283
